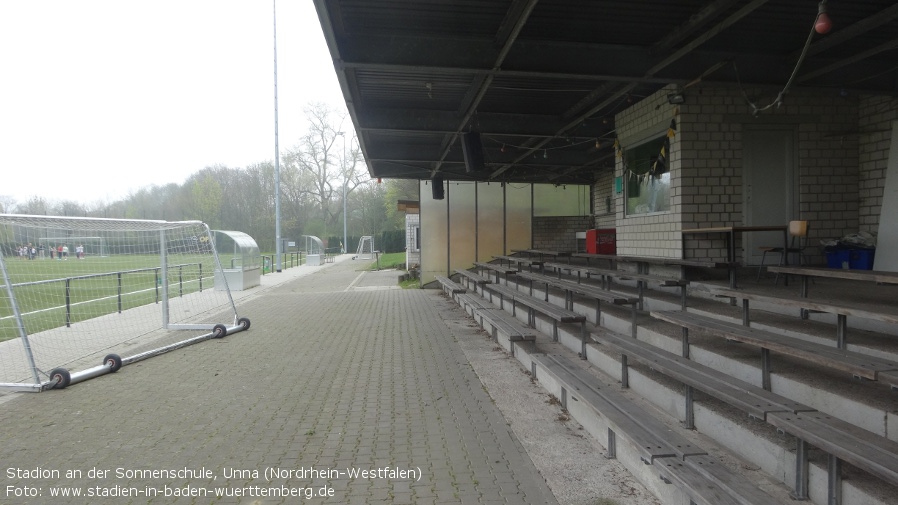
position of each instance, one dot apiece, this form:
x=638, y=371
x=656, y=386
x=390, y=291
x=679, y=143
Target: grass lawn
x=389, y=260
x=410, y=284
x=395, y=260
x=92, y=287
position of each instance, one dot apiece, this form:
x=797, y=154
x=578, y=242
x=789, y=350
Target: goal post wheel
x=114, y=361
x=244, y=323
x=219, y=331
x=61, y=377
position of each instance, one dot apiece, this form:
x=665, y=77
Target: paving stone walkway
x=340, y=390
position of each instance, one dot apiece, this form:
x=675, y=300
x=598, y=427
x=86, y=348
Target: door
x=769, y=185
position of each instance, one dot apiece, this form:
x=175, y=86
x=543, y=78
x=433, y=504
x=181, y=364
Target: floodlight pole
x=277, y=152
x=343, y=166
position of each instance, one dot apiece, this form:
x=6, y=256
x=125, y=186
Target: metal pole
x=343, y=163
x=20, y=323
x=277, y=152
x=163, y=267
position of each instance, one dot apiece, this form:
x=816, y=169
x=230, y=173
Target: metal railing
x=69, y=285
x=288, y=260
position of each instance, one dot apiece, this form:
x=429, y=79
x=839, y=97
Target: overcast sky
x=99, y=98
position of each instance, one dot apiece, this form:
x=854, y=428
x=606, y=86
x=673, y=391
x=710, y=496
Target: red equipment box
x=601, y=241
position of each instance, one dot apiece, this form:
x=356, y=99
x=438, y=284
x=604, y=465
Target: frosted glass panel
x=434, y=234
x=462, y=224
x=564, y=200
x=490, y=222
x=518, y=216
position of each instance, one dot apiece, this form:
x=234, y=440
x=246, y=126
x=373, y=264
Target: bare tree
x=70, y=208
x=326, y=158
x=7, y=203
x=36, y=206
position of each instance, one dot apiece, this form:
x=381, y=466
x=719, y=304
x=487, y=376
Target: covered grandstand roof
x=535, y=85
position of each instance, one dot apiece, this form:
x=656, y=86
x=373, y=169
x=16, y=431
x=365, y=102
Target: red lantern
x=823, y=24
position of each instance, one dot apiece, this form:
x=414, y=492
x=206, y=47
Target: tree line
x=319, y=177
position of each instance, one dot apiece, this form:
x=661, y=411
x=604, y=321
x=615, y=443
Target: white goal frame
x=366, y=248
x=189, y=238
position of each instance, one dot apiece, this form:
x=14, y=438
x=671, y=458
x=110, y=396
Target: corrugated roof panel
x=458, y=18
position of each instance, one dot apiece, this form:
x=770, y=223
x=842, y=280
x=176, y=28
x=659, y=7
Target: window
x=647, y=177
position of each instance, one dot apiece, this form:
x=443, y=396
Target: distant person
x=65, y=252
x=59, y=252
x=79, y=251
x=42, y=251
x=52, y=252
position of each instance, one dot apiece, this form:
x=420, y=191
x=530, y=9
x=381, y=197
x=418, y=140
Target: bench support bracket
x=841, y=331
x=801, y=471
x=583, y=337
x=689, y=421
x=834, y=468
x=765, y=368
x=685, y=340
x=611, y=453
x=624, y=372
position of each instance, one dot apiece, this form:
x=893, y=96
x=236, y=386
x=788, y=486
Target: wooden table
x=834, y=273
x=839, y=273
x=729, y=233
x=542, y=252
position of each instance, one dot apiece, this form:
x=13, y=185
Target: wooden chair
x=798, y=242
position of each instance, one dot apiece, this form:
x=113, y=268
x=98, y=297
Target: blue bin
x=861, y=259
x=838, y=258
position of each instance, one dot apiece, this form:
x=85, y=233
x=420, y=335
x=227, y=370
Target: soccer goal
x=147, y=287
x=366, y=248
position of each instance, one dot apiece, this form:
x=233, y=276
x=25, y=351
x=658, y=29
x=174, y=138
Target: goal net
x=366, y=248
x=79, y=247
x=122, y=291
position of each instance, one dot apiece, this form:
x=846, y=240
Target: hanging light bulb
x=502, y=149
x=598, y=144
x=823, y=24
x=545, y=154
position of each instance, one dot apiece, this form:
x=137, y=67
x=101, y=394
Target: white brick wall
x=602, y=191
x=876, y=114
x=653, y=234
x=841, y=173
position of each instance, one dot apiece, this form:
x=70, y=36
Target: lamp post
x=277, y=152
x=343, y=167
